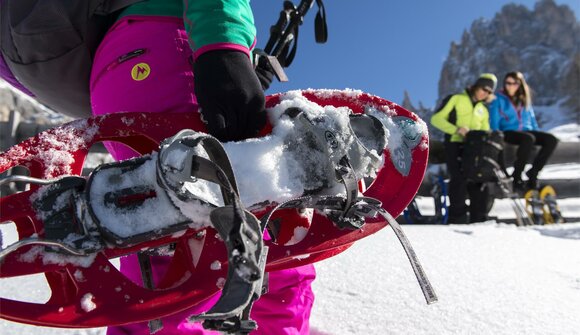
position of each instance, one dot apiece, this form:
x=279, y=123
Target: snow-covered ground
x=567, y=132
x=558, y=171
x=491, y=278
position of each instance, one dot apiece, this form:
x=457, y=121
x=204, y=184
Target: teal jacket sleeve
x=219, y=24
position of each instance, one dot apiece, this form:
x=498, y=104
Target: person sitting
x=458, y=115
x=512, y=113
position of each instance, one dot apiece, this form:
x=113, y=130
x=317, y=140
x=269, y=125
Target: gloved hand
x=229, y=94
x=264, y=72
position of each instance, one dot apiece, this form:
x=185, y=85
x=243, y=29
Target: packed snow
x=87, y=303
x=150, y=215
x=490, y=278
x=560, y=171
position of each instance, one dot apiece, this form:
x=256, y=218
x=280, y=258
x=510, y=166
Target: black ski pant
x=460, y=187
x=526, y=140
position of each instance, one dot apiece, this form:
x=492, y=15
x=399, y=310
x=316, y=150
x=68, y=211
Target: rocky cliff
x=543, y=43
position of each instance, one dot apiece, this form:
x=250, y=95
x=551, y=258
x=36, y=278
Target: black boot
x=533, y=183
x=518, y=186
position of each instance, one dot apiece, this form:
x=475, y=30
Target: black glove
x=264, y=72
x=229, y=94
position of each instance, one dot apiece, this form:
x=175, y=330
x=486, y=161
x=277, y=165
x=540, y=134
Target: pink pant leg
x=286, y=308
x=142, y=65
x=169, y=87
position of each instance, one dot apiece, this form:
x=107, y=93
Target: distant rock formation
x=543, y=43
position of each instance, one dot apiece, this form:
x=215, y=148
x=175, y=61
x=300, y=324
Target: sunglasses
x=511, y=83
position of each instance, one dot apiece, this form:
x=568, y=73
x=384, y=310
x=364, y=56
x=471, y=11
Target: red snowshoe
x=64, y=234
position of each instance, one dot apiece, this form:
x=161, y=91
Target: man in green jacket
x=460, y=114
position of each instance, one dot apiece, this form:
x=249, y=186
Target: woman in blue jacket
x=512, y=113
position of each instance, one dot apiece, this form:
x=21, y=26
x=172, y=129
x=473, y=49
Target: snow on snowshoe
x=186, y=200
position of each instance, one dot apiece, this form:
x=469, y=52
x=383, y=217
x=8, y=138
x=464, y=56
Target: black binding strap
x=239, y=229
x=361, y=208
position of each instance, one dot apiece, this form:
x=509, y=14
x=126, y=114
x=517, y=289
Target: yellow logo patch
x=140, y=71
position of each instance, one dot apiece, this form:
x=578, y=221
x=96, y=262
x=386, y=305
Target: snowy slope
x=490, y=278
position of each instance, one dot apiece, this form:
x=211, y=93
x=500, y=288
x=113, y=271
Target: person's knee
x=527, y=139
x=551, y=141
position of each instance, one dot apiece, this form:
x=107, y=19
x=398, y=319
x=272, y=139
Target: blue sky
x=379, y=46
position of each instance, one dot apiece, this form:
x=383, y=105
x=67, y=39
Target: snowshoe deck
x=117, y=300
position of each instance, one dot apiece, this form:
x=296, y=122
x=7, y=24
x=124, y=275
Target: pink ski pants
x=144, y=65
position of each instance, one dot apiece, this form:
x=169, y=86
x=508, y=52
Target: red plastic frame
x=117, y=299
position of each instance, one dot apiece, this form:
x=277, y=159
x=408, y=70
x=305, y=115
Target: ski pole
x=285, y=31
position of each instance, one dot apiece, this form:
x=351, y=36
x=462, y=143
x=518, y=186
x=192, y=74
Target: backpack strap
x=452, y=114
x=106, y=7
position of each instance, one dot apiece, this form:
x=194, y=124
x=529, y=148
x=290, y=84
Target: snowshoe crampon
x=70, y=244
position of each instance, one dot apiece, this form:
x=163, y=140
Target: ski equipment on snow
x=69, y=227
x=551, y=210
x=535, y=206
x=506, y=187
x=484, y=163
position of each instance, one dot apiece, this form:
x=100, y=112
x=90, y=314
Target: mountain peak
x=543, y=43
